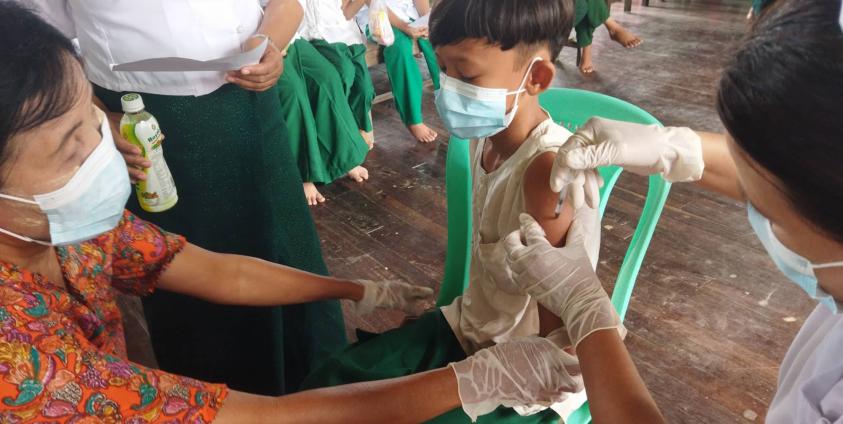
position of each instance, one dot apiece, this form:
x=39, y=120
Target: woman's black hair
x=509, y=24
x=35, y=80
x=781, y=99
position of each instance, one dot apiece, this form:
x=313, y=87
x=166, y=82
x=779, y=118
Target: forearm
x=396, y=22
x=616, y=392
x=281, y=20
x=240, y=280
x=352, y=7
x=423, y=7
x=720, y=175
x=411, y=399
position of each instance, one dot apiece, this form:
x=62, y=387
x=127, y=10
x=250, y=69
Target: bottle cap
x=132, y=103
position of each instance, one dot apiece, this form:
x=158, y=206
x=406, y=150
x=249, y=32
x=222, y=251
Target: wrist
x=270, y=42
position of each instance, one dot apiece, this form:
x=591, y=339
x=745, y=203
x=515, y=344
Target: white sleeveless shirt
x=493, y=310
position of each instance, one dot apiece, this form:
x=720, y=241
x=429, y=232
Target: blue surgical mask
x=92, y=201
x=797, y=268
x=469, y=111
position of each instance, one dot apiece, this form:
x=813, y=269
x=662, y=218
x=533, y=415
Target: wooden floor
x=711, y=318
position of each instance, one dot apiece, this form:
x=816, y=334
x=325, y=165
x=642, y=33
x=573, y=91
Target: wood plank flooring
x=711, y=318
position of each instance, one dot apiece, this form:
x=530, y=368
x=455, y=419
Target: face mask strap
x=23, y=238
x=18, y=199
x=828, y=265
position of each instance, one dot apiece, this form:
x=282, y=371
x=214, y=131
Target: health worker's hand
x=261, y=76
x=673, y=152
x=562, y=280
x=391, y=294
x=521, y=372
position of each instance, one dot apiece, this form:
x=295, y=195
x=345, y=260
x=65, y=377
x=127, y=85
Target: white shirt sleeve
x=56, y=12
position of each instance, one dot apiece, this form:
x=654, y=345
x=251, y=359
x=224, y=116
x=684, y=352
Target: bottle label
x=158, y=192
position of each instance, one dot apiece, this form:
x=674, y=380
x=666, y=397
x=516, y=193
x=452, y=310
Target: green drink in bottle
x=139, y=127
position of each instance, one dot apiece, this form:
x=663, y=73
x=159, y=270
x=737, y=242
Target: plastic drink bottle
x=139, y=127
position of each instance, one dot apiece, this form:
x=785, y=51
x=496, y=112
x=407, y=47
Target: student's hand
x=673, y=152
x=391, y=294
x=131, y=153
x=522, y=372
x=415, y=33
x=261, y=76
x=562, y=280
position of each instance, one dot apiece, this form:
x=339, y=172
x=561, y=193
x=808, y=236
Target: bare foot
x=622, y=35
x=586, y=65
x=369, y=138
x=359, y=174
x=423, y=133
x=313, y=196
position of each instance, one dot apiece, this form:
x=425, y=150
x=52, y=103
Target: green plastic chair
x=571, y=108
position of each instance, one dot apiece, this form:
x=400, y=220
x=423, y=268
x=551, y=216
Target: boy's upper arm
x=540, y=201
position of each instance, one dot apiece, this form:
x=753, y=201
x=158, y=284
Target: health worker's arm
x=412, y=399
x=240, y=280
x=720, y=175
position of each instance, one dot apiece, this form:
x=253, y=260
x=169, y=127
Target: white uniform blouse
x=811, y=378
x=118, y=31
x=325, y=20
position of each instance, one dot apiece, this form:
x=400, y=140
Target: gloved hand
x=391, y=294
x=673, y=152
x=525, y=371
x=562, y=280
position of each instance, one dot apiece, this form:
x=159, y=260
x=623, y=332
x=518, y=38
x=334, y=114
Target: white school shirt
x=325, y=20
x=493, y=309
x=403, y=9
x=119, y=31
x=810, y=389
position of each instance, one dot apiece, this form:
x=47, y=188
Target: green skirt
x=239, y=192
x=588, y=16
x=422, y=345
x=323, y=134
x=350, y=63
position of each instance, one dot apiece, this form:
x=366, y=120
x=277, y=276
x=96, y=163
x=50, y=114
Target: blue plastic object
x=571, y=108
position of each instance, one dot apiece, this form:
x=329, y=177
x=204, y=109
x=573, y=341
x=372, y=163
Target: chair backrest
x=570, y=108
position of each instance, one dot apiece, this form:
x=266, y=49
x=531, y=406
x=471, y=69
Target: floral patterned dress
x=63, y=352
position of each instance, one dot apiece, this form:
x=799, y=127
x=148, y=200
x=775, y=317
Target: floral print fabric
x=62, y=347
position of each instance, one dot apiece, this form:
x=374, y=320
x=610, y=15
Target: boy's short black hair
x=523, y=24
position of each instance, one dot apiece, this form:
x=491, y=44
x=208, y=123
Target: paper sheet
x=182, y=64
x=421, y=22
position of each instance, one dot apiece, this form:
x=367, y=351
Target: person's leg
x=622, y=35
x=362, y=92
x=341, y=148
x=301, y=126
x=430, y=58
x=407, y=85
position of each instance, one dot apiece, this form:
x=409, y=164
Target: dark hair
x=526, y=24
x=781, y=99
x=35, y=82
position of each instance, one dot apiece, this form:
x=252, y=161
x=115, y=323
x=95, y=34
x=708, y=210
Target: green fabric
x=239, y=192
x=588, y=16
x=350, y=62
x=425, y=344
x=405, y=76
x=323, y=134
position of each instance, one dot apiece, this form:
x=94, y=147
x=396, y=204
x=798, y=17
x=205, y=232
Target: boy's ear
x=541, y=76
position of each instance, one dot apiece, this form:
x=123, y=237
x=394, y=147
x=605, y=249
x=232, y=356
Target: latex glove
x=673, y=152
x=562, y=280
x=525, y=371
x=391, y=294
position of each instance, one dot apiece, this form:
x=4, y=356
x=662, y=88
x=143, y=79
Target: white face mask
x=797, y=268
x=470, y=111
x=91, y=203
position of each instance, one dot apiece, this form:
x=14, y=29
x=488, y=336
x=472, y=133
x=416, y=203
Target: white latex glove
x=524, y=371
x=391, y=294
x=562, y=280
x=673, y=152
